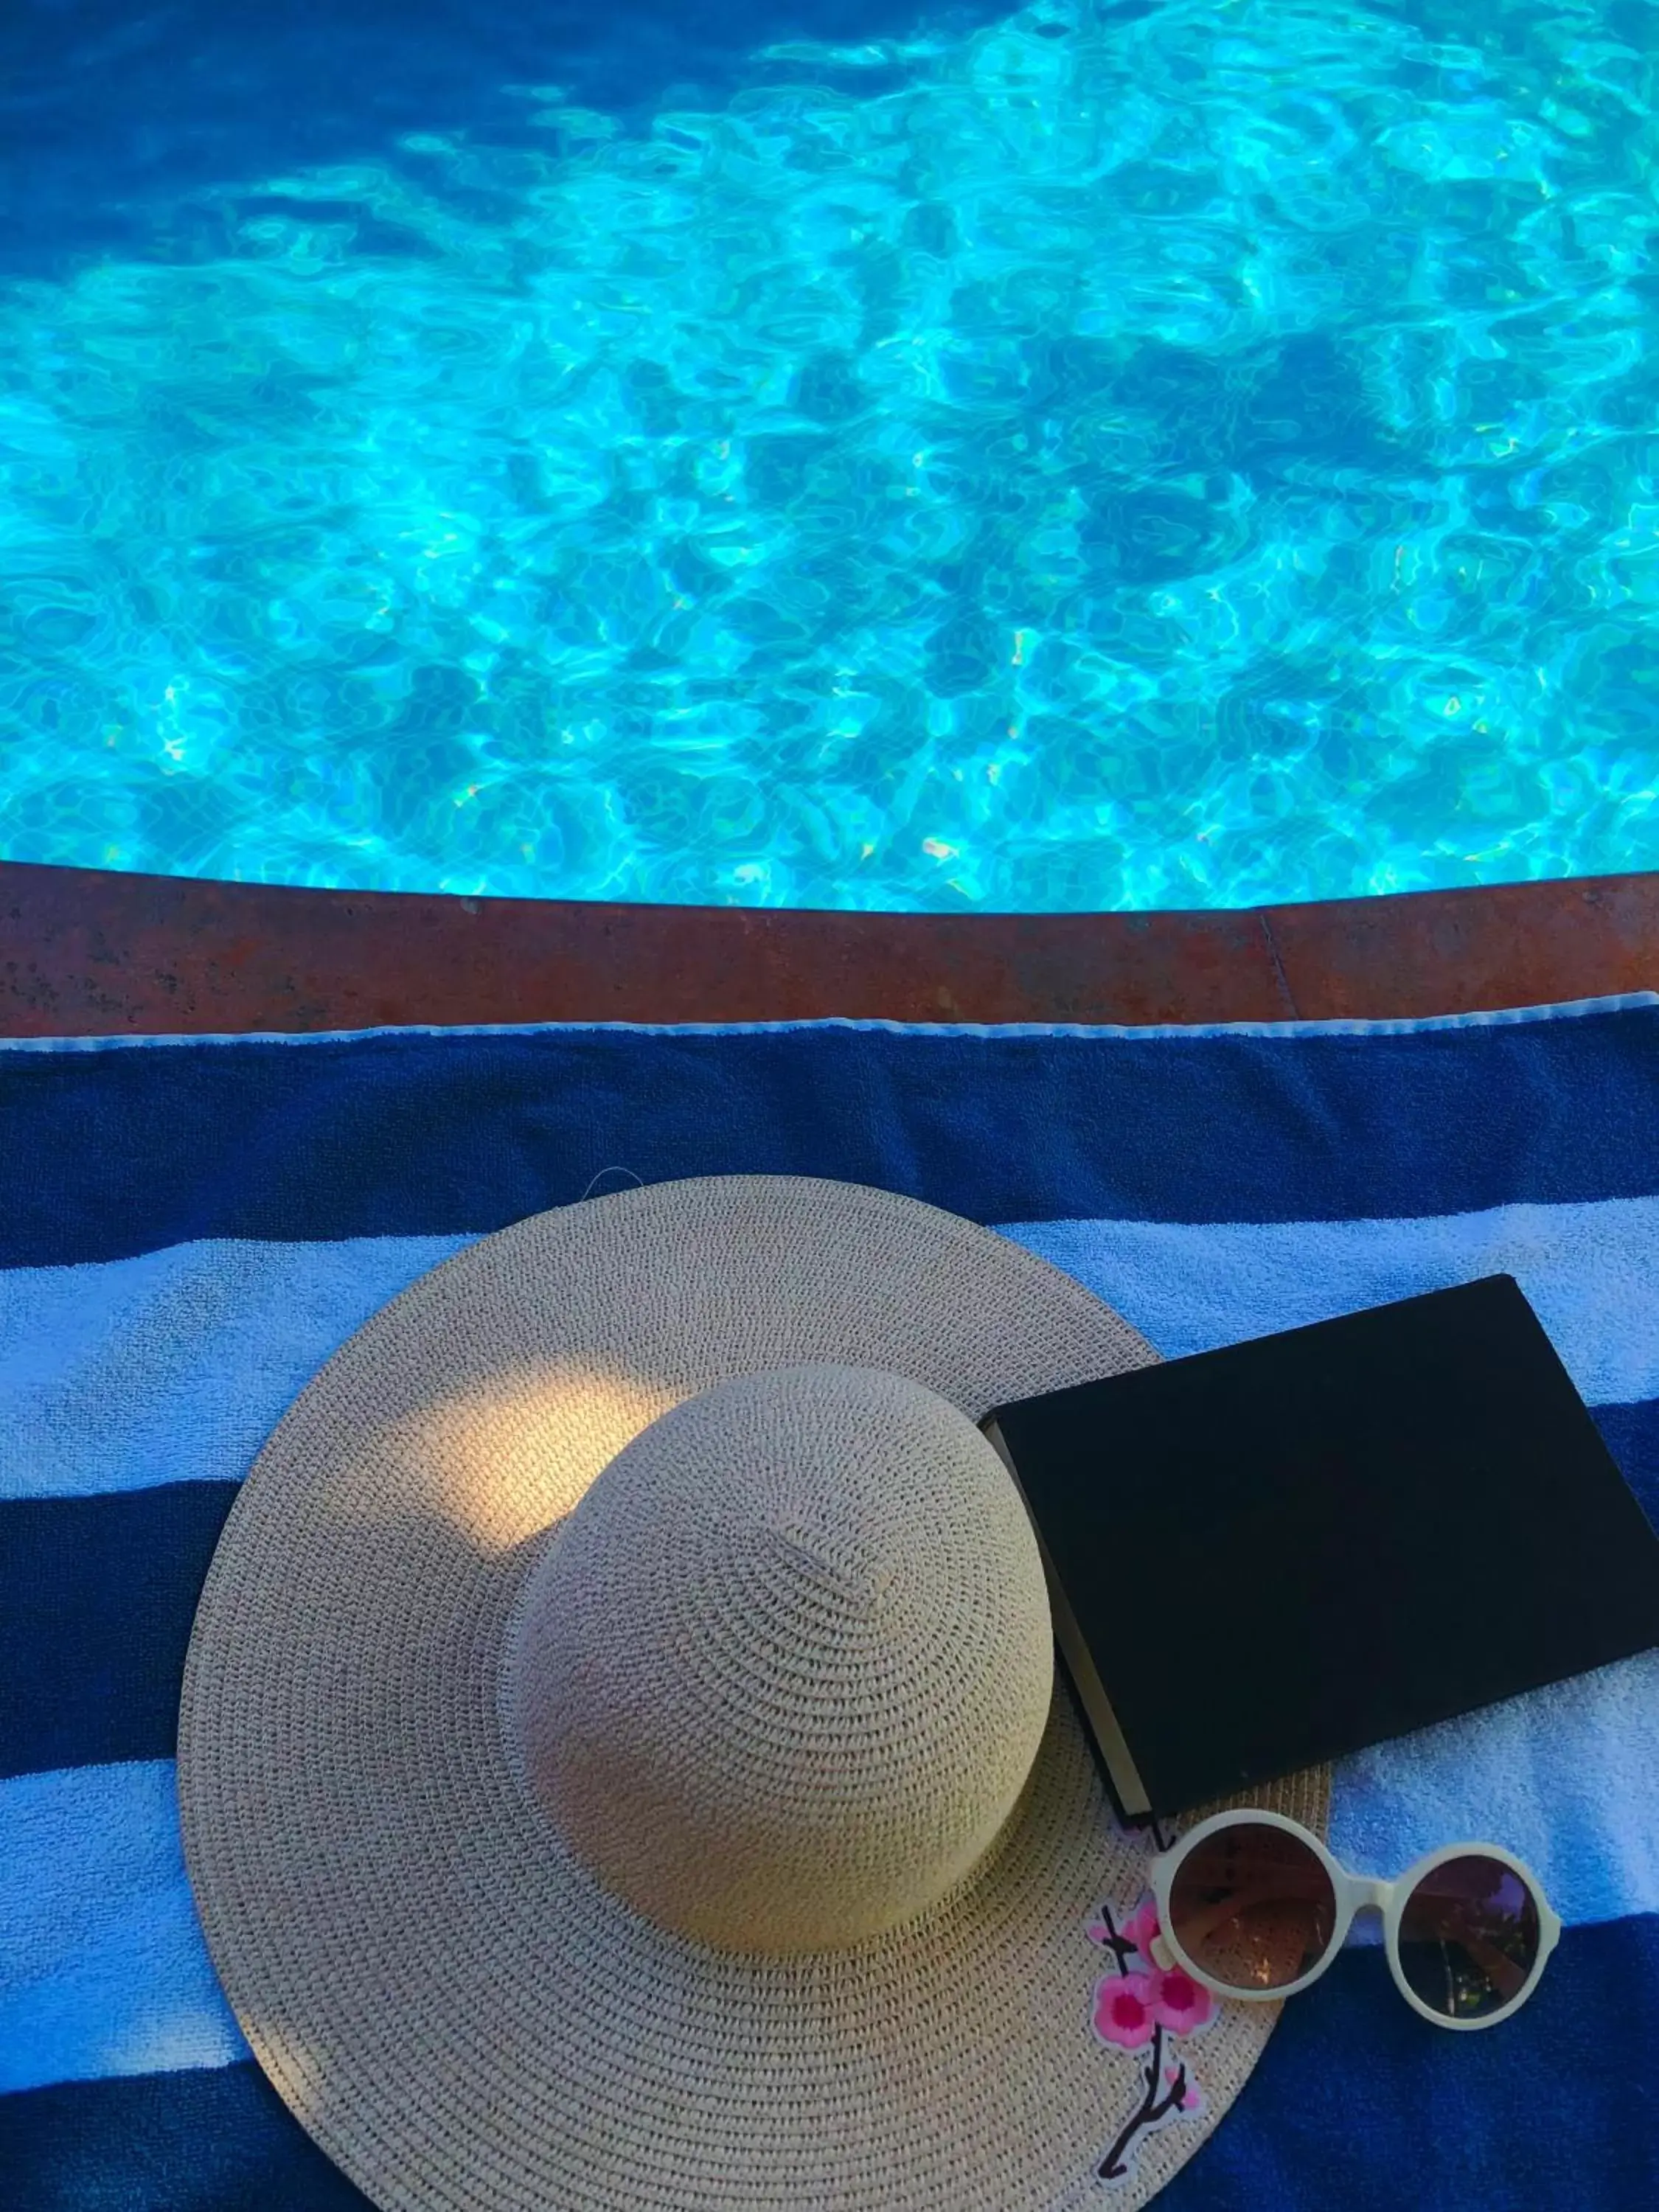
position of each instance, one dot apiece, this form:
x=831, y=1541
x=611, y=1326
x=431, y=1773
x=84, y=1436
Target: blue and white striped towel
x=189, y=1227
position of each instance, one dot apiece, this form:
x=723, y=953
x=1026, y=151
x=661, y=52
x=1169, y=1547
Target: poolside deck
x=86, y=953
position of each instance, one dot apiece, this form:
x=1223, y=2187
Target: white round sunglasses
x=1252, y=1907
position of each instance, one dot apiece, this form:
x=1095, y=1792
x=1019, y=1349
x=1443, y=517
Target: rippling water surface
x=1097, y=456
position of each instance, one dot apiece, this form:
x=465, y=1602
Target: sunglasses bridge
x=1363, y=1893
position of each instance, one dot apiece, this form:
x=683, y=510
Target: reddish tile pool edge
x=88, y=953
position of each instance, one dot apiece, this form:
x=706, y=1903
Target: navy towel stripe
x=402, y=1133
x=1356, y=2102
x=97, y=1595
x=1632, y=1435
x=211, y=2139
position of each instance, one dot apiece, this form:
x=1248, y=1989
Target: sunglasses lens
x=1469, y=1938
x=1253, y=1907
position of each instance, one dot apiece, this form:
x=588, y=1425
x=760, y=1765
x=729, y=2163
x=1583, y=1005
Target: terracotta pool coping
x=86, y=953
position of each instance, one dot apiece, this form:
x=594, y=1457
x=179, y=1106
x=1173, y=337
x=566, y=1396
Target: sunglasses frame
x=1354, y=1893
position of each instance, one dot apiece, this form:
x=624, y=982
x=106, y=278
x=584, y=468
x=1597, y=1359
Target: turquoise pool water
x=1097, y=456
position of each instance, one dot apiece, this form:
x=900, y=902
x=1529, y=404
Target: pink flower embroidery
x=1144, y=2005
x=1123, y=2010
x=1189, y=2099
x=1180, y=2003
x=1141, y=1926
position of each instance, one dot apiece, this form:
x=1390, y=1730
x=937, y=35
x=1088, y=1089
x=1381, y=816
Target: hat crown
x=779, y=1678
x=839, y=1569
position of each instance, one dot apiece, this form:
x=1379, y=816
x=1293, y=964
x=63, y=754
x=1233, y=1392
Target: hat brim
x=453, y=2008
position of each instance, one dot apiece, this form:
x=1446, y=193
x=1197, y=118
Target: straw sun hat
x=620, y=1759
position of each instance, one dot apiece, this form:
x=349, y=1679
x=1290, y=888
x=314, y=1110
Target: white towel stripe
x=176, y=1365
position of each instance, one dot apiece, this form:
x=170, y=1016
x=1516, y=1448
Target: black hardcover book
x=1269, y=1555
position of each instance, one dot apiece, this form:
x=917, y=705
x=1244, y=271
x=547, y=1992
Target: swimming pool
x=1176, y=453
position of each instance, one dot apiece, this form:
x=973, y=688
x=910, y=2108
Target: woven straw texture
x=483, y=1760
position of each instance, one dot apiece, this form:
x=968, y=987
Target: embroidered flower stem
x=1141, y=2007
x=1122, y=1948
x=1152, y=2108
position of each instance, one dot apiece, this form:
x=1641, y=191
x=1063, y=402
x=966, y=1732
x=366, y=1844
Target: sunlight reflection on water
x=1112, y=458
